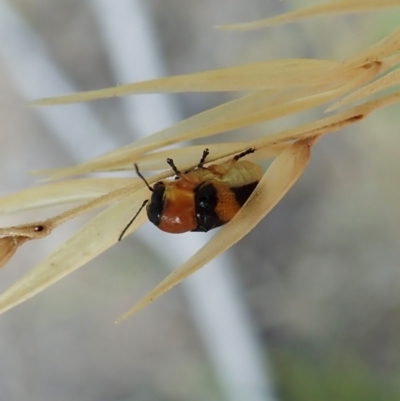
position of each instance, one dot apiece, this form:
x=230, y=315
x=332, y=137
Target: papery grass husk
x=258, y=107
x=124, y=160
x=92, y=239
x=8, y=247
x=61, y=193
x=386, y=82
x=274, y=74
x=327, y=84
x=278, y=88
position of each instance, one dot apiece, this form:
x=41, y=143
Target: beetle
x=201, y=198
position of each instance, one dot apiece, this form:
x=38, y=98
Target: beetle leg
x=239, y=156
x=224, y=168
x=143, y=179
x=206, y=152
x=243, y=154
x=174, y=168
x=132, y=220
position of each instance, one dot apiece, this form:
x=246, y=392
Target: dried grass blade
x=333, y=7
x=59, y=193
x=255, y=76
x=190, y=154
x=8, y=247
x=328, y=124
x=279, y=178
x=125, y=159
x=251, y=109
x=92, y=239
x=388, y=81
x=375, y=53
x=181, y=131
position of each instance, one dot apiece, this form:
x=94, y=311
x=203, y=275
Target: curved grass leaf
x=59, y=193
x=247, y=77
x=92, y=239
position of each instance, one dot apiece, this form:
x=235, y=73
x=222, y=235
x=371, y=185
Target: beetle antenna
x=144, y=179
x=132, y=220
x=206, y=152
x=172, y=165
x=243, y=154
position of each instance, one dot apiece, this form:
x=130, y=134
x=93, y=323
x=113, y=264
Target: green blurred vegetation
x=341, y=375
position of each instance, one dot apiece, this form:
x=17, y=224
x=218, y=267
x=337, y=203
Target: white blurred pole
x=34, y=72
x=214, y=295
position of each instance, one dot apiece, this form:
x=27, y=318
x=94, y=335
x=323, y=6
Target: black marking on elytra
x=243, y=193
x=156, y=205
x=206, y=200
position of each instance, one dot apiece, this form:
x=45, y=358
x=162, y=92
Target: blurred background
x=312, y=295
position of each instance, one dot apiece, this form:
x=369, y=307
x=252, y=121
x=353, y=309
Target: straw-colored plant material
x=60, y=193
x=256, y=76
x=332, y=7
x=378, y=52
x=124, y=159
x=258, y=107
x=94, y=238
x=8, y=247
x=12, y=238
x=388, y=81
x=278, y=88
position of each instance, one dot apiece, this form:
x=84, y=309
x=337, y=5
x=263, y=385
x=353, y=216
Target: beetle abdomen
x=241, y=173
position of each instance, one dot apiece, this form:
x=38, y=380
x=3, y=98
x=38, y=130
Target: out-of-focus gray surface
x=321, y=272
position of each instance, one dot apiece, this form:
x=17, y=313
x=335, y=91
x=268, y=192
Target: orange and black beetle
x=202, y=198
